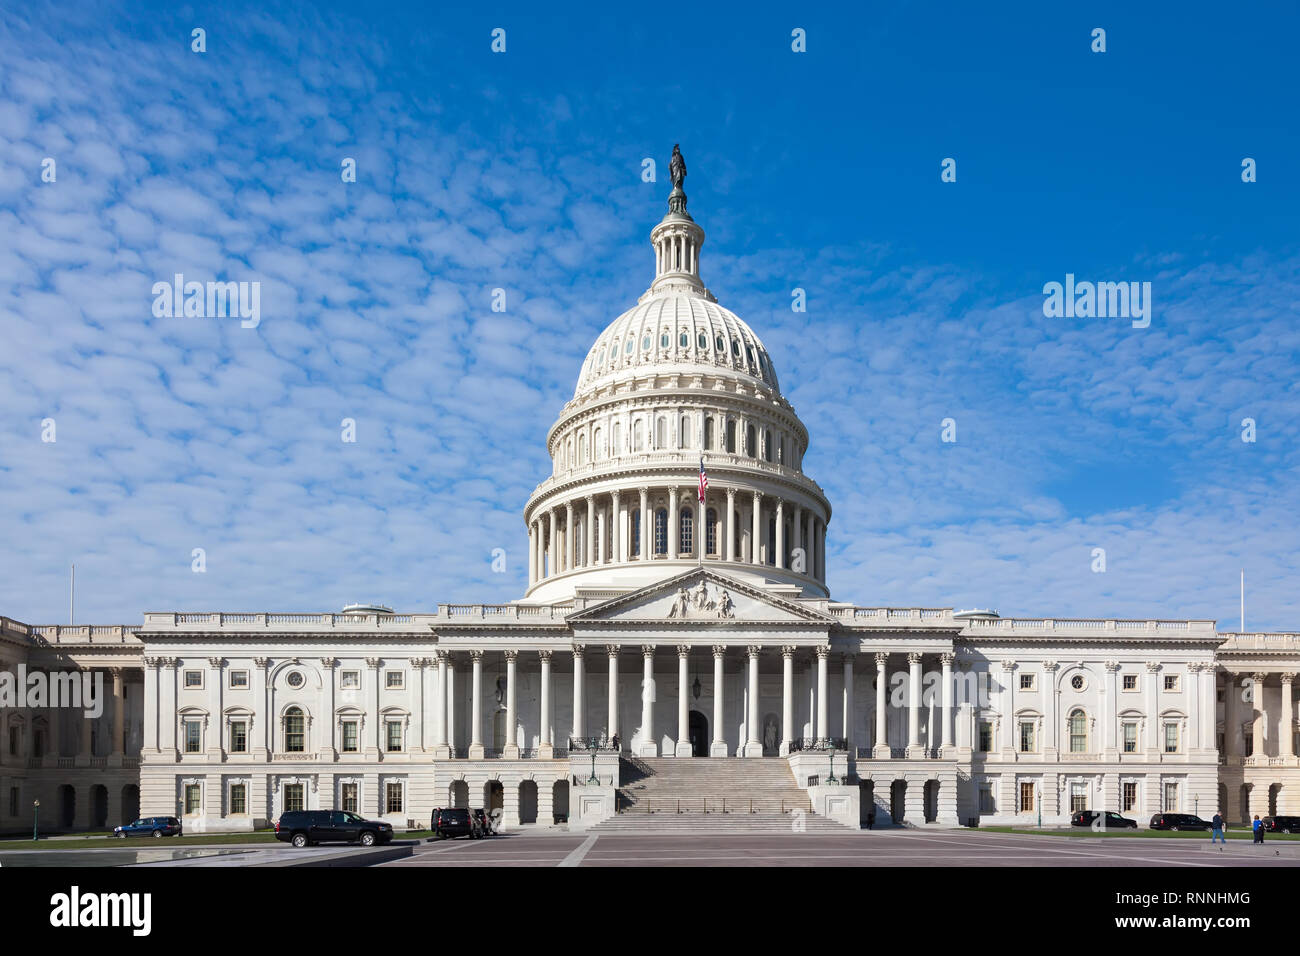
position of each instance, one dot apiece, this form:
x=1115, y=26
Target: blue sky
x=521, y=170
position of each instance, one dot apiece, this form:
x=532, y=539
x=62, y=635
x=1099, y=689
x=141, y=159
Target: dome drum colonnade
x=675, y=381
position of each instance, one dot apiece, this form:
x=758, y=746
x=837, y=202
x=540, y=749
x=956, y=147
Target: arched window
x=661, y=531
x=579, y=536
x=627, y=350
x=684, y=432
x=645, y=342
x=597, y=452
x=582, y=449
x=636, y=532
x=750, y=448
x=1078, y=732
x=771, y=541
x=711, y=531
x=615, y=440
x=731, y=437
x=638, y=435
x=767, y=444
x=295, y=731
x=661, y=433
x=688, y=537
x=708, y=433
x=702, y=342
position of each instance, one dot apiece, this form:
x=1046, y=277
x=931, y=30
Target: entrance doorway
x=494, y=796
x=898, y=800
x=699, y=728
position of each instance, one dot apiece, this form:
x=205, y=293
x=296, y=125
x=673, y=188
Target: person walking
x=1259, y=830
x=1216, y=829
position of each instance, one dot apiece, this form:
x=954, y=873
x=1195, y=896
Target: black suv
x=1281, y=824
x=1179, y=821
x=451, y=822
x=1113, y=821
x=305, y=827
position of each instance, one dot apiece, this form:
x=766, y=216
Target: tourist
x=1259, y=830
x=1216, y=828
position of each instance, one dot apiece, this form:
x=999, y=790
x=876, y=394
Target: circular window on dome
x=663, y=340
x=684, y=340
x=645, y=342
x=702, y=342
x=628, y=350
x=719, y=345
x=294, y=679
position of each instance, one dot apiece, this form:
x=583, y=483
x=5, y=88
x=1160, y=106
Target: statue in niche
x=770, y=739
x=501, y=691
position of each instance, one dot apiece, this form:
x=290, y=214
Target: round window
x=1077, y=682
x=294, y=679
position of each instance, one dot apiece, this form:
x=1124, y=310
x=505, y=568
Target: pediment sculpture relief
x=702, y=603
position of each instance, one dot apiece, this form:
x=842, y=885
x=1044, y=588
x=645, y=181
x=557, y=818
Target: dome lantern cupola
x=677, y=240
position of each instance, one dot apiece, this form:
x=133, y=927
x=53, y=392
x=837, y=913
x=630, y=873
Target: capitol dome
x=675, y=383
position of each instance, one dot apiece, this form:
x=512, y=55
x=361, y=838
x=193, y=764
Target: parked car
x=447, y=823
x=1087, y=818
x=1281, y=824
x=149, y=826
x=486, y=825
x=1179, y=821
x=305, y=827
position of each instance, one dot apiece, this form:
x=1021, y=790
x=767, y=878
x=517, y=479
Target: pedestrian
x=1216, y=828
x=1259, y=830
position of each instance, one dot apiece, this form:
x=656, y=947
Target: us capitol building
x=658, y=634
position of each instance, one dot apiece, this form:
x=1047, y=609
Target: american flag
x=704, y=479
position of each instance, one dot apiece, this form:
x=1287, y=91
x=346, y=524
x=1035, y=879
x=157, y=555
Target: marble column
x=612, y=722
x=646, y=540
x=1153, y=708
x=914, y=706
x=754, y=746
x=618, y=547
x=683, y=702
x=649, y=745
x=787, y=698
x=545, y=749
x=553, y=551
x=476, y=749
x=451, y=704
x=441, y=750
x=579, y=694
x=823, y=654
x=1109, y=711
x=119, y=708
x=674, y=527
x=945, y=715
x=1260, y=721
x=589, y=552
x=847, y=716
x=1231, y=722
x=568, y=536
x=779, y=544
x=756, y=552
x=510, y=748
x=880, y=750
x=532, y=554
x=798, y=563
x=718, y=746
x=1285, y=739
x=730, y=526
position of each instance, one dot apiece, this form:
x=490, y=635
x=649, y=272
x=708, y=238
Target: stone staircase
x=671, y=795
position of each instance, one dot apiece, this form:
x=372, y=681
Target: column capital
x=440, y=655
x=822, y=651
x=882, y=658
x=329, y=663
x=731, y=494
x=683, y=650
x=757, y=495
x=544, y=655
x=511, y=654
x=590, y=499
x=914, y=658
x=1153, y=666
x=476, y=656
x=947, y=659
x=647, y=650
x=1111, y=666
x=645, y=491
x=374, y=662
x=612, y=649
x=1287, y=677
x=753, y=650
x=787, y=651
x=579, y=650
x=262, y=662
x=418, y=662
x=216, y=663
x=1051, y=667
x=719, y=650
x=1008, y=665
x=1259, y=676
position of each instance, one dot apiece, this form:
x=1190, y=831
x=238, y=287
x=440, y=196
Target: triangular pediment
x=700, y=596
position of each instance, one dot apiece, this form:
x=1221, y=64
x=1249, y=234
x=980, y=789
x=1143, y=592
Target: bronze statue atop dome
x=677, y=167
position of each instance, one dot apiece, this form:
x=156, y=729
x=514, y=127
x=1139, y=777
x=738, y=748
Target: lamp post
x=592, y=779
x=1039, y=801
x=831, y=778
x=36, y=819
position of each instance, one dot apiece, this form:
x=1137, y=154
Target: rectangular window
x=193, y=737
x=1171, y=738
x=238, y=737
x=350, y=680
x=1078, y=797
x=1171, y=798
x=349, y=797
x=1026, y=681
x=1130, y=681
x=1130, y=737
x=394, y=736
x=13, y=741
x=395, y=680
x=1026, y=736
x=1171, y=682
x=193, y=798
x=193, y=679
x=238, y=680
x=1129, y=798
x=38, y=743
x=349, y=736
x=238, y=798
x=987, y=803
x=1026, y=798
x=986, y=736
x=294, y=797
x=13, y=801
x=393, y=798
